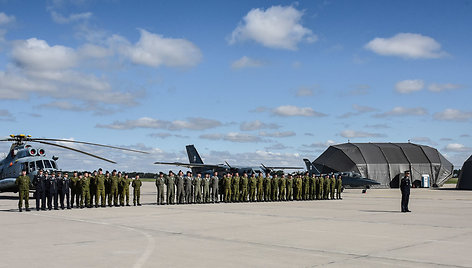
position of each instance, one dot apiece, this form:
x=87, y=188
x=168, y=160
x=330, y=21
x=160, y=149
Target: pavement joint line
x=142, y=258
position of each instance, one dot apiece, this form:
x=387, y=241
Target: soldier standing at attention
x=326, y=187
x=179, y=182
x=197, y=184
x=39, y=182
x=252, y=187
x=339, y=187
x=85, y=185
x=127, y=181
x=160, y=182
x=275, y=187
x=405, y=185
x=113, y=197
x=52, y=186
x=235, y=183
x=267, y=188
x=23, y=183
x=312, y=187
x=74, y=190
x=332, y=183
x=170, y=183
x=244, y=184
x=136, y=190
x=289, y=186
x=299, y=185
x=206, y=188
x=227, y=186
x=121, y=185
x=108, y=195
x=260, y=188
x=100, y=181
x=93, y=188
x=214, y=187
x=306, y=186
x=282, y=186
x=60, y=189
x=320, y=187
x=188, y=187
x=65, y=190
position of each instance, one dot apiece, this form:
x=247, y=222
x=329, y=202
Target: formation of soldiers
x=95, y=189
x=180, y=189
x=84, y=190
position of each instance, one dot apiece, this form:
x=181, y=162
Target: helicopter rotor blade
x=89, y=143
x=75, y=150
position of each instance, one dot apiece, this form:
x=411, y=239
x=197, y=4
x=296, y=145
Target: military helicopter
x=23, y=156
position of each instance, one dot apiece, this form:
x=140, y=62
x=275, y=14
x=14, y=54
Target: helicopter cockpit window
x=54, y=164
x=39, y=164
x=47, y=164
x=31, y=166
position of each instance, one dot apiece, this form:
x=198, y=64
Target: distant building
x=465, y=177
x=386, y=162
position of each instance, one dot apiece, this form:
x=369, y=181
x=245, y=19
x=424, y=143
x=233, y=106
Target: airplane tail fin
x=193, y=156
x=310, y=167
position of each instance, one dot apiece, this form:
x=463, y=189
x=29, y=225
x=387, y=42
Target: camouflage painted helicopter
x=197, y=166
x=23, y=156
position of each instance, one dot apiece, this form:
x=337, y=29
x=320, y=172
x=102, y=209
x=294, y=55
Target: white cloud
x=453, y=115
x=403, y=111
x=377, y=126
x=155, y=50
x=5, y=115
x=360, y=134
x=277, y=27
x=426, y=140
x=257, y=125
x=94, y=51
x=277, y=134
x=246, y=62
x=164, y=135
x=5, y=19
x=443, y=87
x=232, y=137
x=304, y=92
x=276, y=146
x=408, y=86
x=359, y=109
x=457, y=147
x=147, y=122
x=320, y=145
x=59, y=18
x=290, y=110
x=407, y=45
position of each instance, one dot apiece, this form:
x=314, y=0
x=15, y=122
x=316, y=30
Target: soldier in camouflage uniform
x=74, y=190
x=267, y=188
x=227, y=187
x=244, y=188
x=318, y=187
x=282, y=188
x=275, y=188
x=126, y=183
x=260, y=188
x=188, y=186
x=121, y=188
x=298, y=187
x=23, y=183
x=252, y=187
x=235, y=181
x=339, y=187
x=93, y=188
x=170, y=184
x=332, y=183
x=326, y=187
x=214, y=187
x=113, y=197
x=160, y=182
x=85, y=193
x=100, y=181
x=206, y=188
x=179, y=183
x=136, y=190
x=108, y=195
x=197, y=184
x=306, y=186
x=289, y=187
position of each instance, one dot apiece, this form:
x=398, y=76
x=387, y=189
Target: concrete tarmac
x=362, y=230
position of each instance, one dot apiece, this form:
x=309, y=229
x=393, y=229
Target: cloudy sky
x=245, y=81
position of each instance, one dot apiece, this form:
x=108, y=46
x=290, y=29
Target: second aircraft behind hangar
x=197, y=166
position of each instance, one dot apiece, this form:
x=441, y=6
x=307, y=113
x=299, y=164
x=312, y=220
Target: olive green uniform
x=289, y=187
x=113, y=191
x=339, y=187
x=93, y=190
x=100, y=180
x=244, y=188
x=267, y=189
x=170, y=194
x=252, y=188
x=282, y=188
x=332, y=183
x=298, y=188
x=125, y=195
x=136, y=191
x=85, y=194
x=227, y=187
x=326, y=188
x=260, y=188
x=160, y=182
x=197, y=184
x=275, y=188
x=235, y=192
x=23, y=183
x=319, y=187
x=121, y=193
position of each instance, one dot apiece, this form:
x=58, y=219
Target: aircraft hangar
x=465, y=177
x=386, y=162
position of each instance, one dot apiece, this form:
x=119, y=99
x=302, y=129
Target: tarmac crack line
x=144, y=256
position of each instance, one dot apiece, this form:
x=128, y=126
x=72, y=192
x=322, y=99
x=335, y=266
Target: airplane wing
x=188, y=165
x=284, y=167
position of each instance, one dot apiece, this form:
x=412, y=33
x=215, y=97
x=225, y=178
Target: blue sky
x=245, y=81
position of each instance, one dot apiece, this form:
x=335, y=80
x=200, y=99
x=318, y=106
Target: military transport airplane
x=197, y=166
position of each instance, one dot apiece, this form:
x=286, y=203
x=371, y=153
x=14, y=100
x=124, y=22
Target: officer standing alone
x=23, y=183
x=405, y=185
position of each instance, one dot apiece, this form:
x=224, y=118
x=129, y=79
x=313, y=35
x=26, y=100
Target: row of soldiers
x=86, y=189
x=190, y=189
